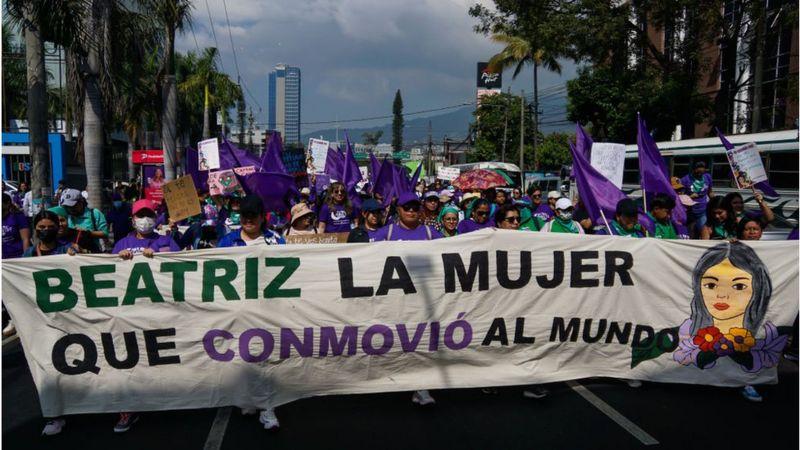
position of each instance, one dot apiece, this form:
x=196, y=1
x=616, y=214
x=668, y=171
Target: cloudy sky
x=354, y=54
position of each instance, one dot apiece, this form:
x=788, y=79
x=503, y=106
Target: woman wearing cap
x=448, y=221
x=479, y=217
x=337, y=215
x=430, y=209
x=143, y=240
x=408, y=226
x=562, y=221
x=371, y=221
x=720, y=220
x=625, y=222
x=83, y=218
x=302, y=221
x=253, y=230
x=546, y=211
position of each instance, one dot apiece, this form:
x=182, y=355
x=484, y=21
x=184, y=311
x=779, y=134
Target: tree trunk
x=37, y=112
x=535, y=115
x=168, y=126
x=93, y=140
x=131, y=165
x=206, y=115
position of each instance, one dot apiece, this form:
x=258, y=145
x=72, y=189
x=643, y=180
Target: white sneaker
x=634, y=383
x=9, y=330
x=423, y=398
x=269, y=419
x=249, y=411
x=53, y=426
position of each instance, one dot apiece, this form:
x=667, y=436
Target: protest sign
x=294, y=160
x=448, y=173
x=208, y=154
x=746, y=164
x=261, y=326
x=319, y=238
x=224, y=182
x=609, y=159
x=181, y=198
x=153, y=182
x=246, y=170
x=319, y=153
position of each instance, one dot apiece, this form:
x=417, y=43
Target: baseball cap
x=143, y=204
x=305, y=191
x=251, y=205
x=430, y=194
x=563, y=203
x=70, y=197
x=406, y=198
x=445, y=196
x=371, y=204
x=553, y=194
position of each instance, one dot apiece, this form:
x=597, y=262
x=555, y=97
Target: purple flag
x=199, y=177
x=273, y=188
x=596, y=191
x=764, y=186
x=384, y=181
x=351, y=175
x=415, y=178
x=374, y=168
x=583, y=144
x=334, y=164
x=653, y=172
x=271, y=159
x=231, y=157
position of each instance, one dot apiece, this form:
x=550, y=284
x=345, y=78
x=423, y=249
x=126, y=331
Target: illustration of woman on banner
x=731, y=293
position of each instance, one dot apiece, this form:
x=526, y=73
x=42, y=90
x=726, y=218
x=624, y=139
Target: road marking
x=217, y=431
x=612, y=414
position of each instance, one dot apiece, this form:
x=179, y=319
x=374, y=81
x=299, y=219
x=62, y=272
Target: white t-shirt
x=257, y=241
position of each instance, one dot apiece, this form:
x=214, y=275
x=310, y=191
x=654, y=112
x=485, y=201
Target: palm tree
x=173, y=16
x=519, y=52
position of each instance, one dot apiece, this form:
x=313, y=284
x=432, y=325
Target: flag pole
x=644, y=198
x=608, y=227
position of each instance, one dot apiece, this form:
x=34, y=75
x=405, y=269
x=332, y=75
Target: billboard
x=487, y=79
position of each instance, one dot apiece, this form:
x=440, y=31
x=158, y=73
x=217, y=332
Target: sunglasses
x=537, y=196
x=512, y=219
x=450, y=219
x=412, y=207
x=338, y=191
x=481, y=213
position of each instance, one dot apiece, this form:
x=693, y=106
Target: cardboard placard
x=318, y=149
x=181, y=198
x=246, y=170
x=746, y=164
x=319, y=238
x=609, y=159
x=294, y=160
x=208, y=154
x=448, y=173
x=224, y=182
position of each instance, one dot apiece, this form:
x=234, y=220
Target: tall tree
x=372, y=138
x=397, y=122
x=173, y=16
x=15, y=88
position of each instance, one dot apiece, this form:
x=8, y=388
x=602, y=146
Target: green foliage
x=552, y=152
x=397, y=122
x=15, y=87
x=496, y=117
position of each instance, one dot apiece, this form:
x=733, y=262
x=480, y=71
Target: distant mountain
x=454, y=124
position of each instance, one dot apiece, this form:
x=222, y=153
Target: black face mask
x=48, y=235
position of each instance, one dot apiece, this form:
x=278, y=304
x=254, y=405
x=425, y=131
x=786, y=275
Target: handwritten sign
x=224, y=182
x=609, y=159
x=294, y=160
x=208, y=154
x=246, y=170
x=746, y=164
x=319, y=238
x=181, y=198
x=448, y=173
x=318, y=149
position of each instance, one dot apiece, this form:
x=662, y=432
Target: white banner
x=318, y=149
x=746, y=165
x=448, y=173
x=261, y=326
x=609, y=159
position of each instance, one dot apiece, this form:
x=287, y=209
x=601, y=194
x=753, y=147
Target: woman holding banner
x=448, y=220
x=479, y=217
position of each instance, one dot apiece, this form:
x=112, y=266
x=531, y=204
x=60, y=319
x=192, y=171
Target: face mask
x=117, y=204
x=564, y=215
x=47, y=235
x=144, y=225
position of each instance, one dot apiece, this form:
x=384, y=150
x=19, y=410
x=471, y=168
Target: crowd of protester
x=134, y=227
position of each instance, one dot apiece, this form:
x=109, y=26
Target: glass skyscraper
x=284, y=102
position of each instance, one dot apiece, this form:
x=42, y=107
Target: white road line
x=217, y=431
x=613, y=414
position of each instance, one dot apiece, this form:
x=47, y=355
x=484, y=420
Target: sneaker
x=53, y=426
x=9, y=330
x=490, y=390
x=269, y=419
x=634, y=383
x=535, y=392
x=249, y=411
x=125, y=422
x=423, y=398
x=750, y=393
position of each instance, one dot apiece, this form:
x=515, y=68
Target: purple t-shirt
x=336, y=220
x=12, y=243
x=469, y=225
x=400, y=233
x=700, y=189
x=155, y=241
x=544, y=212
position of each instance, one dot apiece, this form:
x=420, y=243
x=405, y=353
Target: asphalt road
x=587, y=414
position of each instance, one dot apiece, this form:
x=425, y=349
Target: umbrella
x=479, y=179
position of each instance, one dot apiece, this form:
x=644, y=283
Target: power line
x=214, y=33
x=367, y=119
x=230, y=36
x=191, y=27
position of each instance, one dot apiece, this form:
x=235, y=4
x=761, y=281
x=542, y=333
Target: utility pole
x=535, y=111
x=505, y=136
x=430, y=149
x=522, y=131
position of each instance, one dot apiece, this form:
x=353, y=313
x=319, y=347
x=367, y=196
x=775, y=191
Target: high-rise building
x=284, y=102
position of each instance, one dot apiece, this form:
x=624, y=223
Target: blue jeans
x=697, y=220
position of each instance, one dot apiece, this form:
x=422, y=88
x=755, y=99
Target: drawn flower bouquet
x=710, y=344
